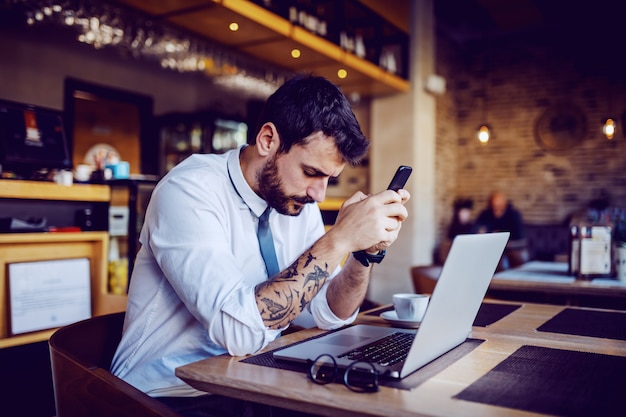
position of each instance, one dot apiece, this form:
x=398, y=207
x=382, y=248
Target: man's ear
x=267, y=140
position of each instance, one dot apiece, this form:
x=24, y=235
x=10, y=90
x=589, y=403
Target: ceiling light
x=295, y=53
x=234, y=26
x=342, y=73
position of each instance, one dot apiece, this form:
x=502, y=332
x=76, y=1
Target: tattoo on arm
x=283, y=298
x=309, y=259
x=317, y=277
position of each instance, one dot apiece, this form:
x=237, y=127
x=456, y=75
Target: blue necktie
x=266, y=243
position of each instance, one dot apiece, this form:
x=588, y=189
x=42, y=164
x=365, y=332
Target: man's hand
x=371, y=223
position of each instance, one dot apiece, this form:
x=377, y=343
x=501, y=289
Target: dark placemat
x=554, y=381
x=594, y=323
x=488, y=313
x=416, y=378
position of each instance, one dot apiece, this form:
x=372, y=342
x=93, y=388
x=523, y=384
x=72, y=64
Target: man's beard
x=270, y=188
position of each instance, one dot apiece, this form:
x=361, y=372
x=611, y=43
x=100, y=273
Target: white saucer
x=393, y=318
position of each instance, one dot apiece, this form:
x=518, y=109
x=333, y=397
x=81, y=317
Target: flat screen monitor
x=32, y=141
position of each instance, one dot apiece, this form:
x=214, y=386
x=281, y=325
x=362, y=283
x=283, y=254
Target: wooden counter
x=34, y=197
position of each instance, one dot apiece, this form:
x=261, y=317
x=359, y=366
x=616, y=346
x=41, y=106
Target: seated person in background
x=501, y=216
x=200, y=287
x=461, y=224
x=462, y=218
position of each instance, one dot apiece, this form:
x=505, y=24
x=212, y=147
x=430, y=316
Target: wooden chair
x=80, y=356
x=425, y=278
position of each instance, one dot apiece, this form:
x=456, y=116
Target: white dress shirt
x=191, y=293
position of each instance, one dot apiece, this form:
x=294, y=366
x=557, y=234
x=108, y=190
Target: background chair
x=425, y=278
x=80, y=356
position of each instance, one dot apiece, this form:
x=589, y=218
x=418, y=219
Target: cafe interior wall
x=511, y=85
x=37, y=60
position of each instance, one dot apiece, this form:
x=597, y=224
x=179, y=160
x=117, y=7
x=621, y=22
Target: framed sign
x=48, y=294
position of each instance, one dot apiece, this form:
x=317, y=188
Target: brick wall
x=517, y=82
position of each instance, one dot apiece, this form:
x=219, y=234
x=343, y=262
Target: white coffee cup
x=64, y=178
x=82, y=172
x=410, y=306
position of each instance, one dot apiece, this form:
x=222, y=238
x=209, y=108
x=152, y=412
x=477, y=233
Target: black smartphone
x=400, y=177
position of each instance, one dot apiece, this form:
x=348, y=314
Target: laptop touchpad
x=345, y=339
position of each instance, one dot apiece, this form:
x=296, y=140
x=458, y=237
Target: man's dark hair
x=307, y=104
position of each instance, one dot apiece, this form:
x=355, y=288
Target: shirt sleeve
x=322, y=313
x=190, y=236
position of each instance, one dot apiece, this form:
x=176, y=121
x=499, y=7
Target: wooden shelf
x=34, y=247
x=331, y=204
x=269, y=38
x=31, y=247
x=42, y=190
x=26, y=338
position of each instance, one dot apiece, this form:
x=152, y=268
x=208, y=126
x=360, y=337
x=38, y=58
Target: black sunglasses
x=359, y=376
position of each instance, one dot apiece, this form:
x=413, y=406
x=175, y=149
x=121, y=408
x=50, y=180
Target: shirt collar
x=256, y=204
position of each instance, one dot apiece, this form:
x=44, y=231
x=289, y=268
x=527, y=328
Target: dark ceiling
x=590, y=33
x=492, y=20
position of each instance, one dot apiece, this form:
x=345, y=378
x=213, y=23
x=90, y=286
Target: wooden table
x=549, y=282
x=228, y=376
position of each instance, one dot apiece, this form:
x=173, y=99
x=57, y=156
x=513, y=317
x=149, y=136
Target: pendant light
x=484, y=133
x=484, y=130
x=609, y=126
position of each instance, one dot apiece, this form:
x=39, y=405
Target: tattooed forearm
x=309, y=259
x=284, y=297
x=318, y=277
x=279, y=308
x=292, y=271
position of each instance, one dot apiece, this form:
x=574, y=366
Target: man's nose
x=317, y=190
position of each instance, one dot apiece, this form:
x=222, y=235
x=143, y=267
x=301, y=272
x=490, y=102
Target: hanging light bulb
x=484, y=133
x=609, y=128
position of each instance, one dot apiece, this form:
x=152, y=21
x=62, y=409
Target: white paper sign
x=48, y=294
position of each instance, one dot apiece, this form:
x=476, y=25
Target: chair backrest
x=80, y=356
x=425, y=278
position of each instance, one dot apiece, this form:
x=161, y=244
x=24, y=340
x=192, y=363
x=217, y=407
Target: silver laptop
x=448, y=320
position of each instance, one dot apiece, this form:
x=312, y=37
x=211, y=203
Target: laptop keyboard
x=386, y=351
